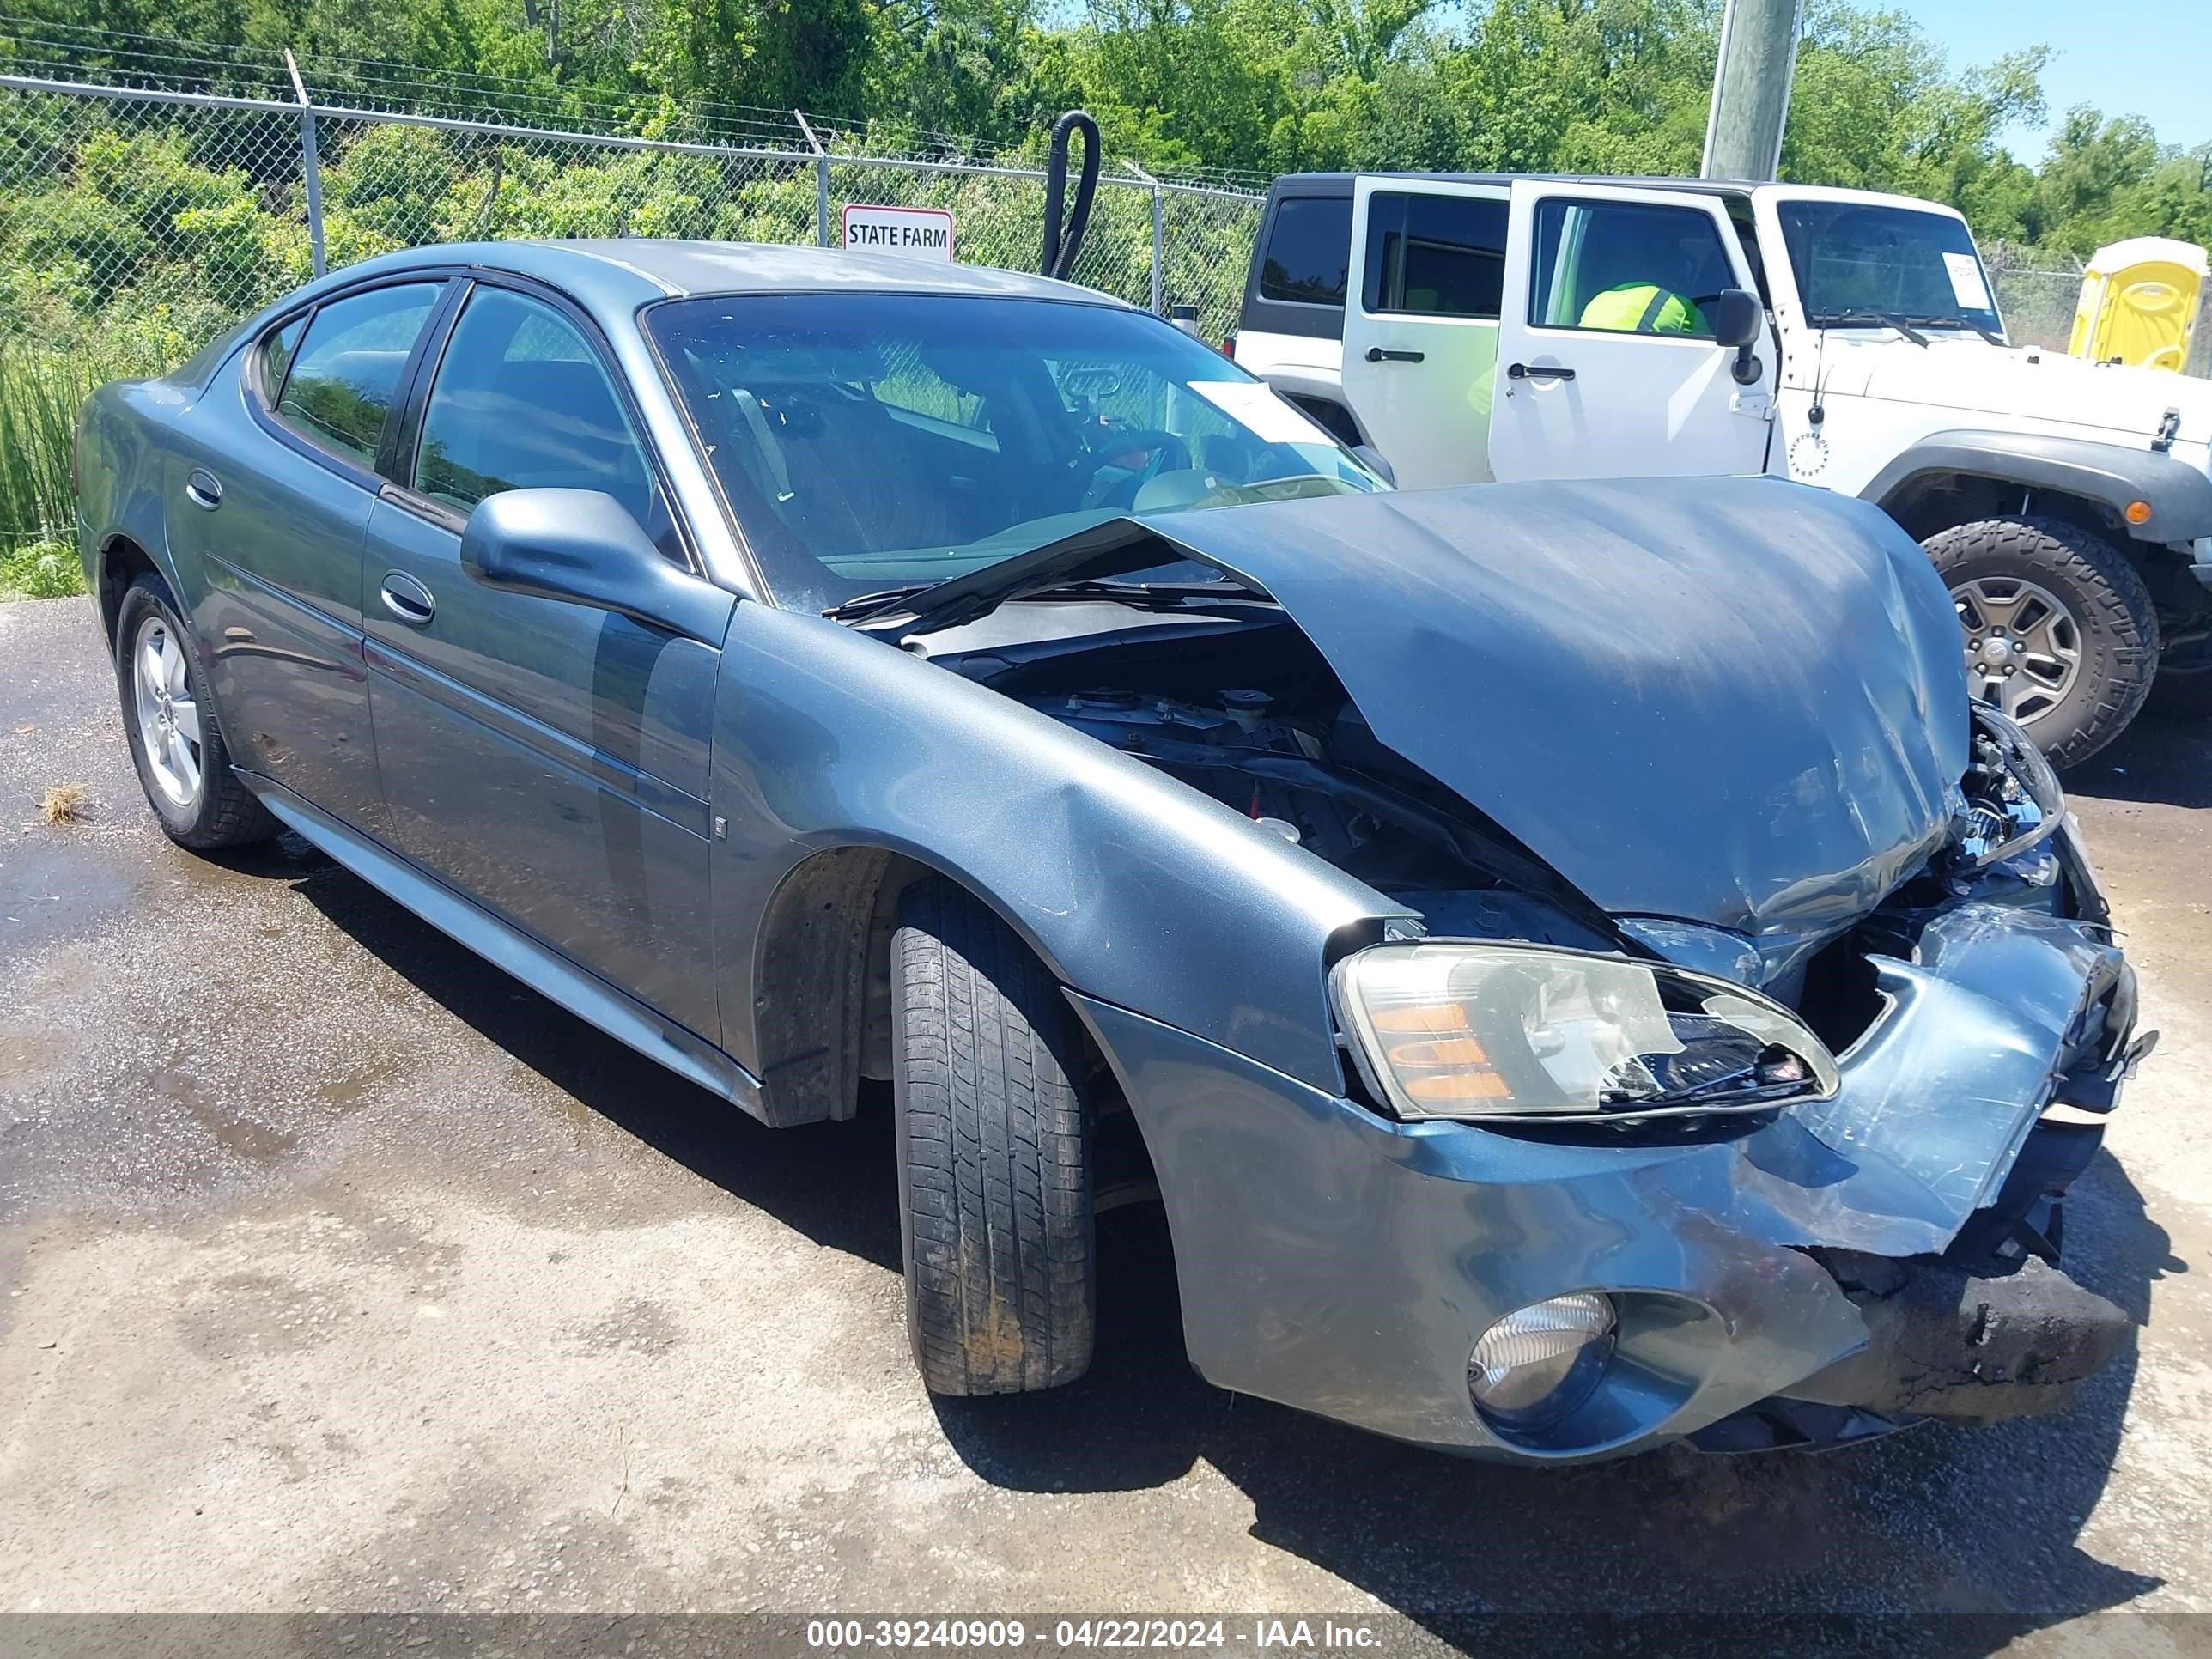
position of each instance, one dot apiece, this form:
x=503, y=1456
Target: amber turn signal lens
x=1426, y=1019
x=1457, y=1085
x=1443, y=1051
x=2137, y=512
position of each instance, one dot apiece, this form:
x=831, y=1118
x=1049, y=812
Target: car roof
x=621, y=273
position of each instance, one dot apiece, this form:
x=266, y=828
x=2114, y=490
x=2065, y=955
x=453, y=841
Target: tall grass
x=42, y=389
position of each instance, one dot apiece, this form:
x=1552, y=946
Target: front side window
x=522, y=401
x=871, y=441
x=340, y=382
x=1309, y=257
x=1435, y=256
x=1626, y=267
x=1861, y=264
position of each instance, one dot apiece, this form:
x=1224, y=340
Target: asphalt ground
x=338, y=1272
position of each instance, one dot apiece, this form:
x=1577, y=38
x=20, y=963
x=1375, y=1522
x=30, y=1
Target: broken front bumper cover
x=1837, y=1270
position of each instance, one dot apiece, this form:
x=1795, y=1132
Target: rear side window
x=1309, y=251
x=1627, y=267
x=1435, y=256
x=522, y=402
x=343, y=378
x=279, y=350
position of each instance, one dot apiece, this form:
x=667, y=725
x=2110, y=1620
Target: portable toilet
x=2139, y=302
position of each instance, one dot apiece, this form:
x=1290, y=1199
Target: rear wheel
x=176, y=743
x=2057, y=628
x=993, y=1154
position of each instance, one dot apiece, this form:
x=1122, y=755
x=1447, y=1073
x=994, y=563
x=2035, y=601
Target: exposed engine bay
x=1254, y=717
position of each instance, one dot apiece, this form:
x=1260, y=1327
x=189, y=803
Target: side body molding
x=536, y=965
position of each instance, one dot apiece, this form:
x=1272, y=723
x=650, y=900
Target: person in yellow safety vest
x=1643, y=309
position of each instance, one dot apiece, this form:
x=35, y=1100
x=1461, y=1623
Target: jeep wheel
x=993, y=1156
x=2059, y=631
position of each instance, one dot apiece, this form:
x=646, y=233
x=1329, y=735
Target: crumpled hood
x=1736, y=701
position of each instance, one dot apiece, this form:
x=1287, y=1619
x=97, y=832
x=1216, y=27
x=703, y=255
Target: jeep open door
x=1607, y=364
x=1421, y=323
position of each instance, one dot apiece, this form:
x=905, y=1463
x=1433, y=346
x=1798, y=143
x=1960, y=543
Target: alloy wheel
x=2023, y=645
x=168, y=713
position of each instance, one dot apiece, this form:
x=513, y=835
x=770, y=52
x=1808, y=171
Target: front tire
x=176, y=743
x=2057, y=627
x=993, y=1154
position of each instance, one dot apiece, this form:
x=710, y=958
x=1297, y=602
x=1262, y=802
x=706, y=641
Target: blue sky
x=2146, y=57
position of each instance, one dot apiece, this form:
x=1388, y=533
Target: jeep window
x=1437, y=256
x=1627, y=267
x=1860, y=263
x=1309, y=251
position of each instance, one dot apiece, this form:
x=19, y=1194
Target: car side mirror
x=1371, y=457
x=582, y=546
x=1737, y=319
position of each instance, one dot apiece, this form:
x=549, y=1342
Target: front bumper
x=1334, y=1261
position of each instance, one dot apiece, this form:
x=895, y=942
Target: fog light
x=1539, y=1362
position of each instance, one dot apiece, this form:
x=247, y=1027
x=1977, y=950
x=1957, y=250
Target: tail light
x=1229, y=347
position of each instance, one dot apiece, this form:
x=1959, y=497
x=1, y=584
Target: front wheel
x=2058, y=628
x=176, y=743
x=993, y=1154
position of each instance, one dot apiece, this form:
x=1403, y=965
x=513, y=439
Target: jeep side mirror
x=1737, y=318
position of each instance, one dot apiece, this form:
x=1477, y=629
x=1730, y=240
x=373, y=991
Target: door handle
x=1537, y=371
x=204, y=489
x=1380, y=354
x=407, y=599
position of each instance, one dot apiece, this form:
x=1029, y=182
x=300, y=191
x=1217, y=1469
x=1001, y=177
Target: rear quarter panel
x=125, y=443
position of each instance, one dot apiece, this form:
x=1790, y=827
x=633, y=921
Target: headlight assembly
x=2013, y=800
x=1473, y=1028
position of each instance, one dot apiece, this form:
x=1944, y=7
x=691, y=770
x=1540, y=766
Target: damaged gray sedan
x=1573, y=964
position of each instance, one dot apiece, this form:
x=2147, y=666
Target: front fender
x=2108, y=473
x=1136, y=889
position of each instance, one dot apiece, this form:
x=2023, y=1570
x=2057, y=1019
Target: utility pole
x=1751, y=89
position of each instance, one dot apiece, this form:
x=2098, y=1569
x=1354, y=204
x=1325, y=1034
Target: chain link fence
x=138, y=222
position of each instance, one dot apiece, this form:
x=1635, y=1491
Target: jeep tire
x=994, y=1152
x=2059, y=628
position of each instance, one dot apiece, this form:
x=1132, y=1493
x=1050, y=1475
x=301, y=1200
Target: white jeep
x=1469, y=327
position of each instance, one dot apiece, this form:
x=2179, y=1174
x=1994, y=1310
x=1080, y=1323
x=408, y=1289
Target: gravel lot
x=339, y=1271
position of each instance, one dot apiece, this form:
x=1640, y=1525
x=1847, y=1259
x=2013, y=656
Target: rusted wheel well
x=122, y=561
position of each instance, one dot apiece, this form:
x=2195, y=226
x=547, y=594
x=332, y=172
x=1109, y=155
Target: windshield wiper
x=1957, y=322
x=1164, y=596
x=868, y=604
x=1159, y=596
x=1873, y=319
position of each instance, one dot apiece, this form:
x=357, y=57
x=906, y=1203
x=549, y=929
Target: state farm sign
x=919, y=232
